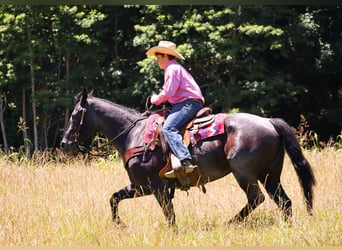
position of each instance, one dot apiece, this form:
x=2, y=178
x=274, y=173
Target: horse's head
x=80, y=126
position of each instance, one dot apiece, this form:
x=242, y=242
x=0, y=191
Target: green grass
x=62, y=202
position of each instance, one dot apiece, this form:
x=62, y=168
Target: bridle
x=77, y=133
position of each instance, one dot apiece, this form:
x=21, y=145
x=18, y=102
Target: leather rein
x=125, y=131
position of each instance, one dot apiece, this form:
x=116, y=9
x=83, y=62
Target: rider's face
x=162, y=61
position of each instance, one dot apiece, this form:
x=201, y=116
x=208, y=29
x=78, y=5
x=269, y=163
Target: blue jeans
x=180, y=115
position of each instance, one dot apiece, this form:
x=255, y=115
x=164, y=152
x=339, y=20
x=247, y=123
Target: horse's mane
x=91, y=96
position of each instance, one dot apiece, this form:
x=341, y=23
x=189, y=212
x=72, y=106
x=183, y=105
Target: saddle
x=203, y=118
x=204, y=125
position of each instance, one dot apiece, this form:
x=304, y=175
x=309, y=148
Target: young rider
x=183, y=93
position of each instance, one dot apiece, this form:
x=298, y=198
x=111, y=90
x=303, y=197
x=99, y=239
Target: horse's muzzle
x=68, y=147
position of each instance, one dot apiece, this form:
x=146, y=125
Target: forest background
x=274, y=61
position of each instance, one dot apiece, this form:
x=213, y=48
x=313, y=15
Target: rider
x=183, y=93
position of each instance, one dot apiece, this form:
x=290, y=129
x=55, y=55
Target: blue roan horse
x=251, y=148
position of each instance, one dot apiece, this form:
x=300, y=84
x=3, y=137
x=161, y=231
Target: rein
x=125, y=131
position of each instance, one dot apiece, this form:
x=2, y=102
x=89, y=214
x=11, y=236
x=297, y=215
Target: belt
x=194, y=100
x=197, y=100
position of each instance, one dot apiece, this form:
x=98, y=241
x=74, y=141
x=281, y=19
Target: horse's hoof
x=118, y=223
x=236, y=219
x=117, y=220
x=174, y=228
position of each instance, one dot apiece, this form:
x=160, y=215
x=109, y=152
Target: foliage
x=246, y=57
x=278, y=61
x=309, y=139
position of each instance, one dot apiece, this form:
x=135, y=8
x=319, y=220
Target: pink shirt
x=178, y=85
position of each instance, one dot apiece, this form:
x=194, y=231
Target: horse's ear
x=84, y=97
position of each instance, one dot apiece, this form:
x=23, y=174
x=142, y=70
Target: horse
x=252, y=148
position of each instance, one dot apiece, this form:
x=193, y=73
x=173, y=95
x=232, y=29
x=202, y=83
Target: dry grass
x=67, y=204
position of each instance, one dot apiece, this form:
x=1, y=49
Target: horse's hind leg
x=254, y=195
x=127, y=192
x=275, y=190
x=277, y=193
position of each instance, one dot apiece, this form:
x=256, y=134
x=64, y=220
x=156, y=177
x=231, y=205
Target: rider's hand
x=154, y=99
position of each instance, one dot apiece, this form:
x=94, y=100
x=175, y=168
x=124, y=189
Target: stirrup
x=172, y=173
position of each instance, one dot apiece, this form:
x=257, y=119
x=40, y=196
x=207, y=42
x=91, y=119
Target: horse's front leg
x=130, y=191
x=164, y=198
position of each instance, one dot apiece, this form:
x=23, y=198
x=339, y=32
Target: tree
x=271, y=60
x=38, y=59
x=260, y=59
x=226, y=50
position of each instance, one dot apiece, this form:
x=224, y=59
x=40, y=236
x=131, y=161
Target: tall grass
x=49, y=201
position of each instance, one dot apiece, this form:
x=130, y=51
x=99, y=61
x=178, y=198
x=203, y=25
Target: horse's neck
x=115, y=121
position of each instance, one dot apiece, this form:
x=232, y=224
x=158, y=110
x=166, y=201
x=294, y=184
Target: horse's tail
x=301, y=165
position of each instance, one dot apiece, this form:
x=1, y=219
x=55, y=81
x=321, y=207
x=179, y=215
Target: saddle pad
x=215, y=128
x=151, y=126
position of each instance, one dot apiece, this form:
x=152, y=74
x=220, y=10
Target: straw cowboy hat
x=165, y=47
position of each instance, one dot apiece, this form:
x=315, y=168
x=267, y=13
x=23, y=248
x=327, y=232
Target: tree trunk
x=67, y=76
x=33, y=86
x=116, y=51
x=43, y=121
x=25, y=136
x=3, y=131
x=43, y=131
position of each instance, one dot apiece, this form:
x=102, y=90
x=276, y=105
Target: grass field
x=44, y=203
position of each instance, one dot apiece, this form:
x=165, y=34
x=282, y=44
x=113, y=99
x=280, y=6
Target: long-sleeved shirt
x=178, y=85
